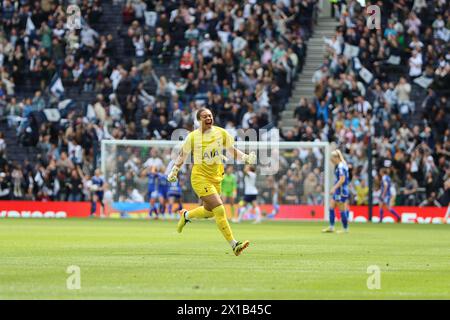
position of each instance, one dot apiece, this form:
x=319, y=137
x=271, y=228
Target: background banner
x=31, y=209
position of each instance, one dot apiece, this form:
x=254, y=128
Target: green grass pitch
x=137, y=259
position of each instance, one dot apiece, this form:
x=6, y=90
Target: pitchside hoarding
x=30, y=209
x=35, y=209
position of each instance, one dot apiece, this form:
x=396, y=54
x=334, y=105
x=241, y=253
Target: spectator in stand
x=362, y=193
x=74, y=185
x=2, y=143
x=5, y=186
x=128, y=13
x=415, y=64
x=430, y=201
x=410, y=191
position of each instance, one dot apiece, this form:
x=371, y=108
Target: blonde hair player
x=207, y=144
x=340, y=191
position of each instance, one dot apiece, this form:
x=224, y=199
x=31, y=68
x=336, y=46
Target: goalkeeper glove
x=249, y=158
x=172, y=177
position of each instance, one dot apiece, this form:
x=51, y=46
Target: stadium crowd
x=240, y=59
x=369, y=94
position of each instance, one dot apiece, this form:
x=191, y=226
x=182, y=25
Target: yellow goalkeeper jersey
x=208, y=152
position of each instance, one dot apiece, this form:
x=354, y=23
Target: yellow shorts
x=204, y=187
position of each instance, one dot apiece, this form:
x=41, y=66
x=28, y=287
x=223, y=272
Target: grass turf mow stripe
x=128, y=259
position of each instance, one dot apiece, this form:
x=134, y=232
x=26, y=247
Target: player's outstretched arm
x=172, y=176
x=80, y=172
x=246, y=158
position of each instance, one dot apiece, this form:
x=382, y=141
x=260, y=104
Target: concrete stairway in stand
x=304, y=88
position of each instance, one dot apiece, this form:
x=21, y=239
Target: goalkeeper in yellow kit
x=207, y=145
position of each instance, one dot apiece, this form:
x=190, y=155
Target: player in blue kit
x=385, y=196
x=152, y=192
x=154, y=205
x=97, y=188
x=163, y=189
x=174, y=194
x=340, y=191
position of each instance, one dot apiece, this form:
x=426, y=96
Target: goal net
x=293, y=179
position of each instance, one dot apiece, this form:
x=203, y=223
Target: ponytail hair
x=338, y=154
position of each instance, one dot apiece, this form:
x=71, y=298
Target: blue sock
x=344, y=218
x=332, y=217
x=93, y=207
x=169, y=208
x=381, y=214
x=395, y=213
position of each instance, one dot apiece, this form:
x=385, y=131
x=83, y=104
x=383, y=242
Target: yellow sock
x=199, y=213
x=222, y=223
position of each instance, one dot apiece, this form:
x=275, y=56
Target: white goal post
x=115, y=152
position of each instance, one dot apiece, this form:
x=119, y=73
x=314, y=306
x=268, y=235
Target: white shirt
x=263, y=100
x=250, y=184
x=115, y=112
x=115, y=77
x=416, y=44
x=363, y=107
x=75, y=151
x=87, y=184
x=238, y=21
x=135, y=196
x=173, y=15
x=108, y=196
x=239, y=44
x=2, y=144
x=317, y=76
x=224, y=36
x=131, y=164
x=443, y=34
x=139, y=9
x=247, y=116
x=153, y=162
x=87, y=37
x=140, y=47
x=415, y=64
x=205, y=47
x=390, y=96
x=59, y=32
x=209, y=15
x=247, y=10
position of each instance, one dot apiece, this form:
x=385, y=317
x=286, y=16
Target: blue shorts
x=154, y=195
x=176, y=195
x=250, y=198
x=100, y=198
x=99, y=195
x=385, y=200
x=340, y=198
x=163, y=193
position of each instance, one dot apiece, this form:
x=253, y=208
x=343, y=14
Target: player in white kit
x=250, y=195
